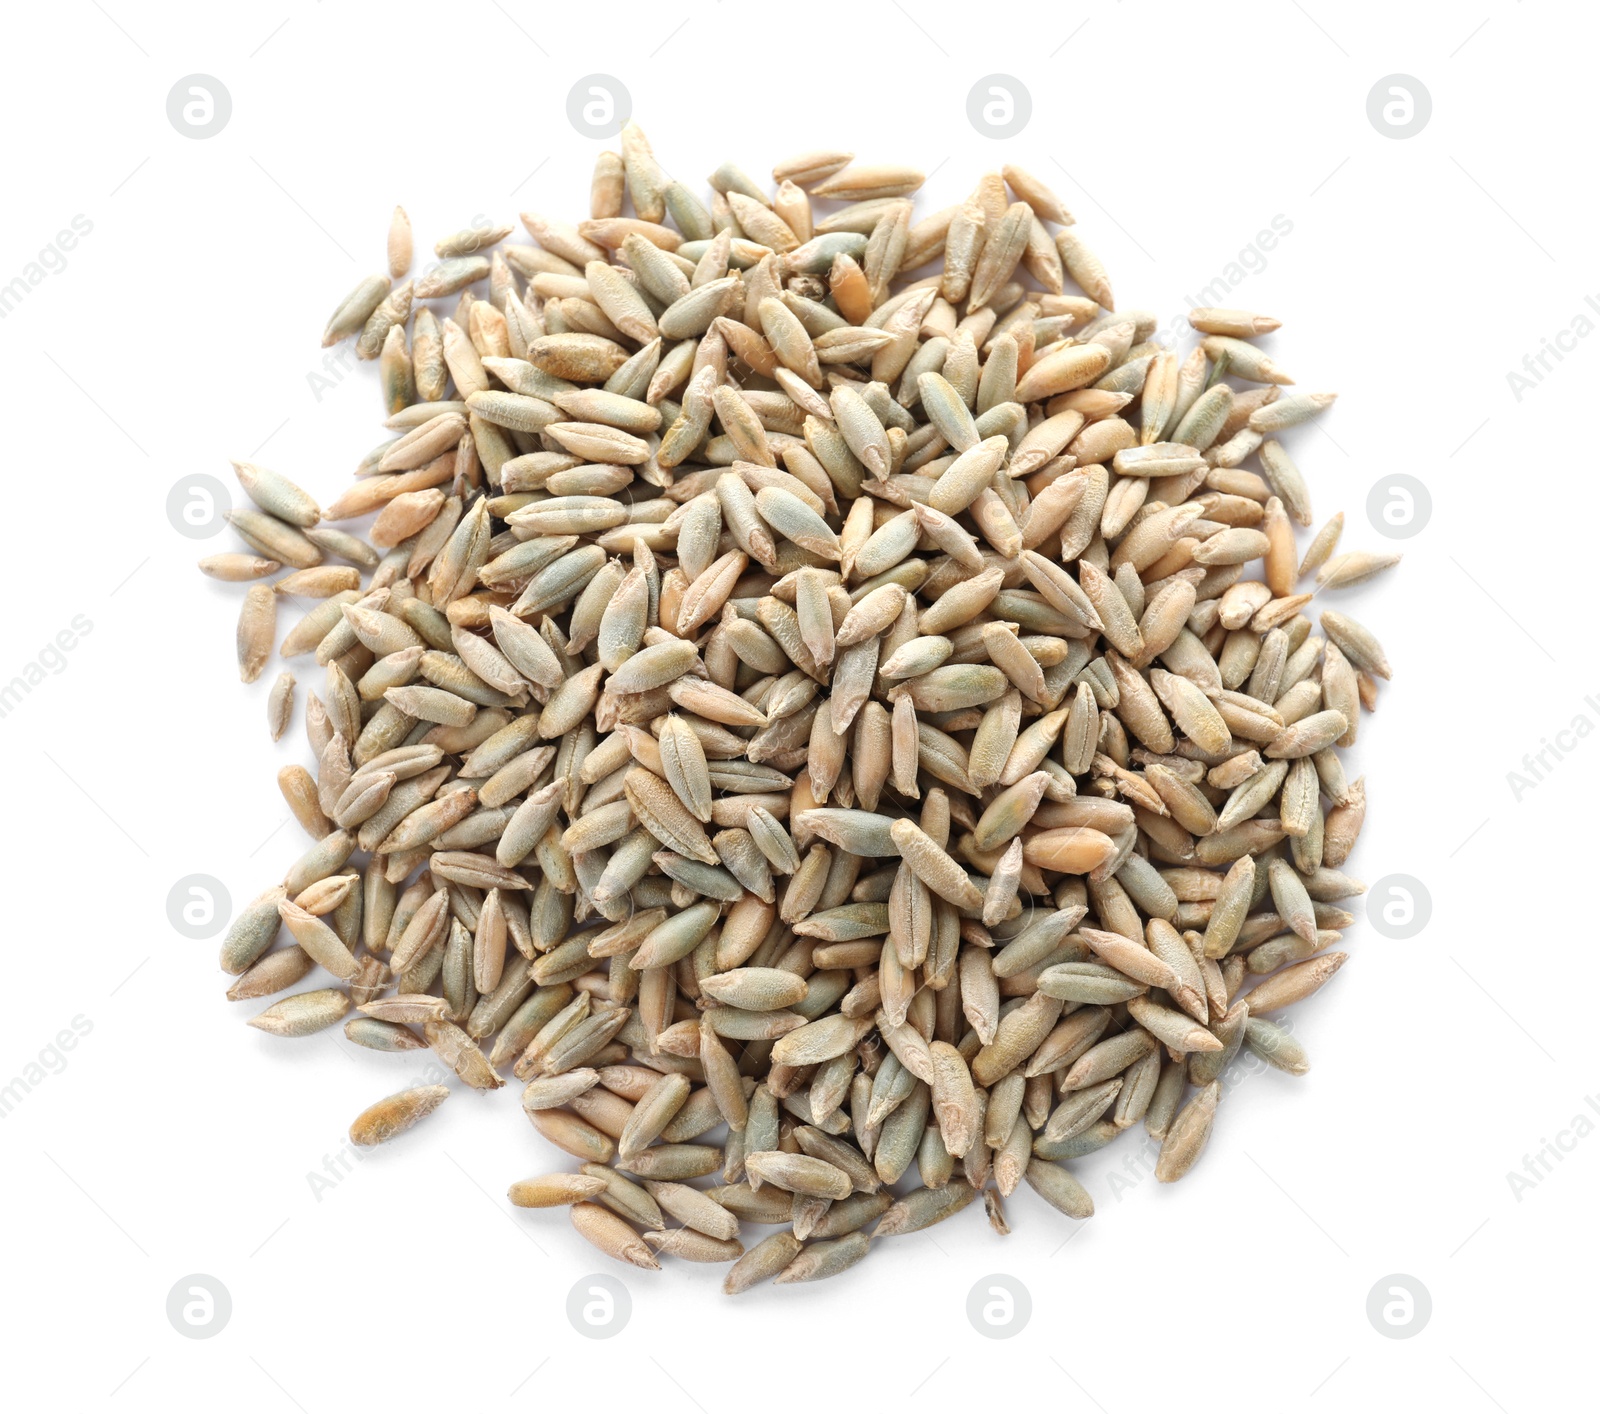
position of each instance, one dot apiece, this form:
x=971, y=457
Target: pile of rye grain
x=808, y=677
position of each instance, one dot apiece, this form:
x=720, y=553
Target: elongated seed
x=379, y=1123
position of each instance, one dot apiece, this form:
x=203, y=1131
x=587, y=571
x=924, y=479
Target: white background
x=173, y=1140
